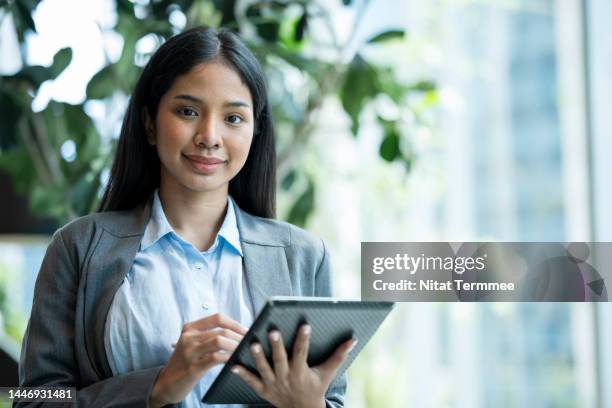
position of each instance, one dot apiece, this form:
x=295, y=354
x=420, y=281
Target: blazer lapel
x=117, y=244
x=264, y=259
x=113, y=259
x=266, y=272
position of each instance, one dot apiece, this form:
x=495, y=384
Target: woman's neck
x=196, y=217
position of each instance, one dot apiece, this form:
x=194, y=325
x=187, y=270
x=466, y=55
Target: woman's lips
x=203, y=164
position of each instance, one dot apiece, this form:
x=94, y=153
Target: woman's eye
x=187, y=112
x=234, y=119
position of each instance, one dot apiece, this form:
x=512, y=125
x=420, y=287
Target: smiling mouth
x=203, y=164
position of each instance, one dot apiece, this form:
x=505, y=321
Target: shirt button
x=205, y=306
x=198, y=265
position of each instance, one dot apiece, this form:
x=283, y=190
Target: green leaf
x=61, y=60
x=18, y=164
x=360, y=84
x=268, y=31
x=102, y=84
x=430, y=99
x=303, y=206
x=227, y=9
x=184, y=5
x=49, y=201
x=390, y=86
x=386, y=36
x=89, y=149
x=70, y=122
x=78, y=123
x=253, y=11
x=31, y=4
x=24, y=13
x=300, y=28
x=125, y=7
x=288, y=32
x=131, y=29
x=289, y=179
x=267, y=27
x=423, y=86
x=311, y=66
x=160, y=8
x=10, y=112
x=390, y=146
x=83, y=194
x=34, y=74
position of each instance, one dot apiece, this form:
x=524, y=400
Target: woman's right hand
x=203, y=343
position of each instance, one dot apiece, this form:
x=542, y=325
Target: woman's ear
x=149, y=128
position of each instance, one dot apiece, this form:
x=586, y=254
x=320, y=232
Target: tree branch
x=303, y=130
x=35, y=154
x=358, y=17
x=50, y=156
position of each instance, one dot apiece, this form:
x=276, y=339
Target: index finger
x=215, y=321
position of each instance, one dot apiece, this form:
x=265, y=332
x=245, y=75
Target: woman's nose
x=207, y=135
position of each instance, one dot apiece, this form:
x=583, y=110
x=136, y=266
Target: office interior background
x=511, y=142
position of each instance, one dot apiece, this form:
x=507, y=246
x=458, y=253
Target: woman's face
x=203, y=130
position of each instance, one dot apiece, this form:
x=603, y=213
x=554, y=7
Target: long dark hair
x=136, y=169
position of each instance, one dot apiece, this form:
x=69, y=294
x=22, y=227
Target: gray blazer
x=82, y=270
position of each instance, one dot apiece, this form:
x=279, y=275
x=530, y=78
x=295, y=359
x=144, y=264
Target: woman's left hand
x=293, y=384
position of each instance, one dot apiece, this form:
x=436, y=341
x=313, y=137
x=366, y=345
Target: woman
x=139, y=304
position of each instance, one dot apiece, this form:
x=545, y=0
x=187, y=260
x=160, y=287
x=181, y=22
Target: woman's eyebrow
x=237, y=104
x=190, y=98
x=231, y=104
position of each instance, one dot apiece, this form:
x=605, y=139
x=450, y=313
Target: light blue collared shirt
x=172, y=283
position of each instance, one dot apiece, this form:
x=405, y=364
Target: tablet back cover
x=332, y=322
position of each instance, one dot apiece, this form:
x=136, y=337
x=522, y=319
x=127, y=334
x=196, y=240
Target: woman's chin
x=207, y=186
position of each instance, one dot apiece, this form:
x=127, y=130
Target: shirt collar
x=158, y=226
x=229, y=228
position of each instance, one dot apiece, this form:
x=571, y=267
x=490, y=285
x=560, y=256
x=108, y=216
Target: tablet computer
x=332, y=323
